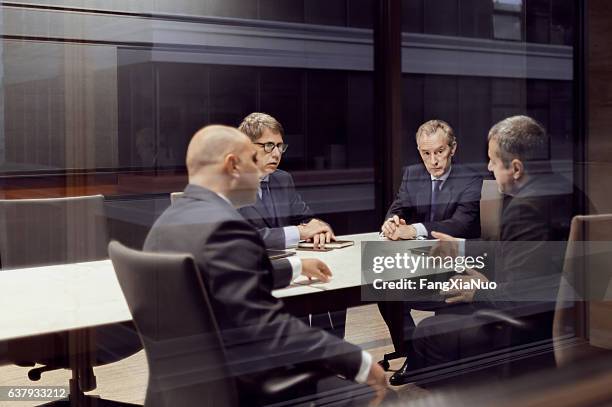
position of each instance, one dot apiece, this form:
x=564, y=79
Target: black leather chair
x=37, y=232
x=170, y=308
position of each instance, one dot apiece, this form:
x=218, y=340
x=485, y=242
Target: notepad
x=338, y=244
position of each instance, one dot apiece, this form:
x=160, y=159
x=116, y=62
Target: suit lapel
x=278, y=193
x=263, y=212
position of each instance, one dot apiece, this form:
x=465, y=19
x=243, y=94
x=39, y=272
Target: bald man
x=260, y=337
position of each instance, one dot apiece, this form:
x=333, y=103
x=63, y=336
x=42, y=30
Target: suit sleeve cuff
x=364, y=369
x=296, y=266
x=420, y=229
x=292, y=236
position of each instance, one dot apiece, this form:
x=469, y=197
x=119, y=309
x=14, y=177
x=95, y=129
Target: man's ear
x=453, y=148
x=518, y=169
x=230, y=165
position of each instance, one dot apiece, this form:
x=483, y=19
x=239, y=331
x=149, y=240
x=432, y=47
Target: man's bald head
x=211, y=144
x=222, y=159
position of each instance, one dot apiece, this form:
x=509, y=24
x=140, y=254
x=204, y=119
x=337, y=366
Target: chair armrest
x=286, y=381
x=493, y=315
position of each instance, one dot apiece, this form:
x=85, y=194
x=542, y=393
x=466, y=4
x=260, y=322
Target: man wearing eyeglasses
x=279, y=213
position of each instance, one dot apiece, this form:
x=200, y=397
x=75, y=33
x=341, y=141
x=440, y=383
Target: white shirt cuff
x=292, y=236
x=364, y=370
x=296, y=266
x=420, y=229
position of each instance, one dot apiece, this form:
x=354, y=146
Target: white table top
x=345, y=265
x=48, y=299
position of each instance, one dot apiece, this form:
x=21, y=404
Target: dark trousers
x=333, y=322
x=396, y=315
x=451, y=336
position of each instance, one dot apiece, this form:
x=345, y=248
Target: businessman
x=535, y=221
x=436, y=195
x=258, y=334
x=279, y=213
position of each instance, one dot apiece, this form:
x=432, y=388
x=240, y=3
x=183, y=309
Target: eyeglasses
x=269, y=147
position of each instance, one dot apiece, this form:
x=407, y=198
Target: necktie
x=266, y=199
x=435, y=189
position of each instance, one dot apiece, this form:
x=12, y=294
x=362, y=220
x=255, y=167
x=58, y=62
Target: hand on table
x=395, y=228
x=316, y=269
x=447, y=246
x=317, y=232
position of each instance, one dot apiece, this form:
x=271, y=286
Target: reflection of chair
x=169, y=304
x=36, y=232
x=490, y=210
x=583, y=319
x=174, y=196
x=582, y=325
x=52, y=231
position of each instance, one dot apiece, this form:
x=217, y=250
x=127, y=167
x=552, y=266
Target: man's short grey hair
x=254, y=125
x=432, y=126
x=520, y=137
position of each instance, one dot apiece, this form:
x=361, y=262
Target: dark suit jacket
x=529, y=257
x=458, y=206
x=291, y=210
x=257, y=332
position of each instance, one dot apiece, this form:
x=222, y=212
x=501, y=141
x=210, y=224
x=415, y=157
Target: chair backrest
x=52, y=231
x=175, y=195
x=582, y=308
x=175, y=322
x=490, y=210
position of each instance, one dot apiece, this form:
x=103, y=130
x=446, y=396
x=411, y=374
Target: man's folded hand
x=395, y=228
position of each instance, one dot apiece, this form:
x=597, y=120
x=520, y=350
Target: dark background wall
x=84, y=117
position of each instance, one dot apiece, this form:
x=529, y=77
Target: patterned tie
x=435, y=189
x=268, y=202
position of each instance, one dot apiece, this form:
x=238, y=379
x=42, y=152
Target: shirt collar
x=224, y=198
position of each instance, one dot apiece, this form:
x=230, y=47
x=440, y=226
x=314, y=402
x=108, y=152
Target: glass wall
x=473, y=63
x=103, y=97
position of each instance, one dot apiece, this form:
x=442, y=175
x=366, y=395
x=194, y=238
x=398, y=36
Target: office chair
x=169, y=304
x=490, y=210
x=36, y=232
x=175, y=195
x=582, y=324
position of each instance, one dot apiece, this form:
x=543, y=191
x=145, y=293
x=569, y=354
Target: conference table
x=43, y=300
